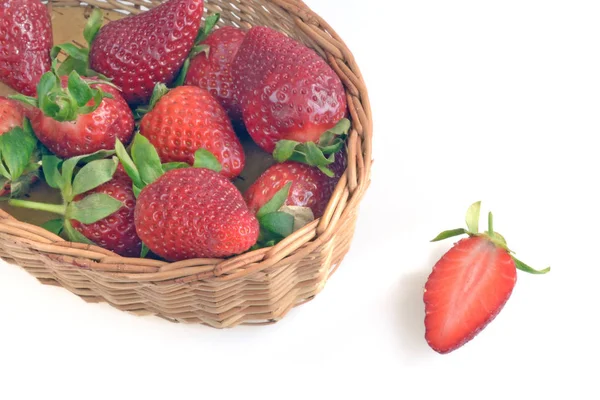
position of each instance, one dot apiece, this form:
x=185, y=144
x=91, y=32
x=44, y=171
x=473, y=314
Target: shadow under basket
x=258, y=287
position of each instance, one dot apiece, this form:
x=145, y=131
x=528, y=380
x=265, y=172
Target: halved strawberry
x=469, y=285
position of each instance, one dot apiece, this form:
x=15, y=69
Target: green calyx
x=275, y=223
x=321, y=154
x=198, y=48
x=160, y=89
x=65, y=104
x=472, y=220
x=19, y=159
x=77, y=59
x=144, y=166
x=60, y=174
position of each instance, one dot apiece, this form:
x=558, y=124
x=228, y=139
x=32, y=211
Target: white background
x=472, y=100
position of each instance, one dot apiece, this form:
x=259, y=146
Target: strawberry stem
x=60, y=209
x=490, y=224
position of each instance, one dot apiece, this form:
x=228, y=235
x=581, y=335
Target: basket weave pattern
x=254, y=288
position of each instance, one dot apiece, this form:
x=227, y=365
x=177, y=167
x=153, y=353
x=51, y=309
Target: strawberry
x=78, y=116
x=310, y=187
x=185, y=213
x=469, y=285
x=97, y=204
x=210, y=67
x=138, y=51
x=188, y=118
x=25, y=43
x=19, y=158
x=116, y=232
x=288, y=93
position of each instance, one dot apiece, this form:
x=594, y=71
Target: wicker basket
x=254, y=288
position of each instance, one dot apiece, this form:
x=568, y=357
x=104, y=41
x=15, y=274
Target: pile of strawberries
x=139, y=131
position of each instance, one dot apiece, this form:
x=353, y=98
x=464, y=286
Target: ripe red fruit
x=98, y=202
x=286, y=91
x=189, y=118
x=469, y=285
x=25, y=43
x=194, y=213
x=85, y=133
x=20, y=170
x=12, y=114
x=117, y=231
x=139, y=51
x=211, y=68
x=310, y=187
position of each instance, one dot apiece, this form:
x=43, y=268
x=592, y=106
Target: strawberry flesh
x=466, y=290
x=25, y=44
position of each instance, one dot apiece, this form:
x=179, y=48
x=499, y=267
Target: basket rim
x=344, y=201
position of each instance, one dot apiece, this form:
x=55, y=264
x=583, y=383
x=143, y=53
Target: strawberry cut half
x=469, y=285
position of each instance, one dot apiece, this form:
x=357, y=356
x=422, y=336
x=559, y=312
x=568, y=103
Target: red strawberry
x=188, y=212
x=12, y=114
x=75, y=129
x=310, y=187
x=469, y=285
x=188, y=118
x=98, y=203
x=19, y=169
x=139, y=51
x=116, y=232
x=211, y=68
x=286, y=91
x=25, y=43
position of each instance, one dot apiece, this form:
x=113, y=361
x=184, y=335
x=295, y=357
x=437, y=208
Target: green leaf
x=146, y=159
x=93, y=208
x=276, y=202
x=69, y=165
x=30, y=101
x=341, y=128
x=174, y=165
x=17, y=146
x=48, y=83
x=79, y=89
x=93, y=175
x=328, y=172
x=207, y=27
x=202, y=48
x=136, y=191
x=55, y=226
x=473, y=217
x=157, y=93
x=4, y=172
x=128, y=164
x=526, y=268
x=74, y=235
x=145, y=251
x=181, y=76
x=71, y=51
x=284, y=149
x=315, y=156
x=279, y=223
x=205, y=159
x=97, y=95
x=448, y=234
x=93, y=25
x=50, y=167
x=22, y=186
